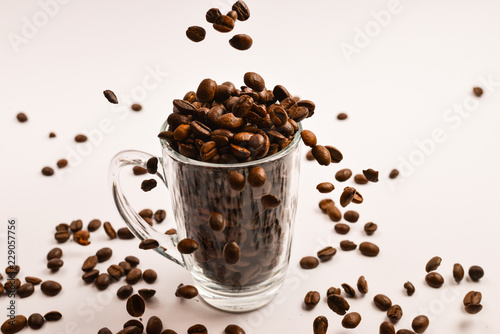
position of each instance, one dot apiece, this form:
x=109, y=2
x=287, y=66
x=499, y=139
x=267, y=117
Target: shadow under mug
x=197, y=189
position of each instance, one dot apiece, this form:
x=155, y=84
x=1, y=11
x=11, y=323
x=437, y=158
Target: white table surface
x=404, y=85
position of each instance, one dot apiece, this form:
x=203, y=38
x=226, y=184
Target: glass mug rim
x=183, y=159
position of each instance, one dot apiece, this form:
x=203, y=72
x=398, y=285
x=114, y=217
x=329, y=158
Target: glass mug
x=197, y=189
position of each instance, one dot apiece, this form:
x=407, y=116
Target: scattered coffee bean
x=241, y=8
x=138, y=170
x=110, y=96
x=169, y=331
x=110, y=231
x=33, y=280
x=410, y=288
x=186, y=291
x=342, y=116
x=341, y=228
x=320, y=325
x=360, y=179
x=136, y=306
x=241, y=42
x=63, y=227
x=343, y=175
x=55, y=264
x=326, y=254
x=309, y=262
x=370, y=228
x=152, y=165
x=387, y=328
x=217, y=221
x=369, y=249
x=478, y=91
x=55, y=253
x=236, y=181
x=25, y=290
x=476, y=273
x=433, y=264
x=349, y=290
x=254, y=81
x=50, y=288
x=347, y=245
x=82, y=237
x=420, y=324
x=270, y=201
x=434, y=280
x=257, y=177
x=90, y=276
x=21, y=117
x=187, y=246
x=154, y=325
x=134, y=261
x=148, y=185
x=52, y=316
x=371, y=175
x=36, y=321
x=309, y=155
x=231, y=253
x=126, y=266
x=333, y=213
x=135, y=323
x=473, y=309
x=131, y=330
x=47, y=171
x=382, y=302
x=325, y=187
x=160, y=216
x=351, y=320
x=223, y=23
x=136, y=107
x=146, y=213
x=104, y=330
x=338, y=304
x=395, y=312
x=12, y=326
x=90, y=263
x=12, y=285
x=472, y=302
x=52, y=135
x=76, y=225
x=322, y=155
x=149, y=276
x=347, y=196
x=81, y=138
x=104, y=254
x=115, y=271
x=197, y=329
x=94, y=225
x=333, y=291
x=147, y=293
x=233, y=329
x=325, y=203
x=311, y=299
x=362, y=285
x=458, y=272
x=61, y=163
x=335, y=155
x=149, y=244
x=309, y=138
x=357, y=198
x=125, y=291
x=125, y=234
x=133, y=276
x=102, y=281
x=351, y=216
x=212, y=14
x=12, y=270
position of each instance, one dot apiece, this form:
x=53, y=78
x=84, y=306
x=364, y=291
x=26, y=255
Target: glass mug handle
x=139, y=227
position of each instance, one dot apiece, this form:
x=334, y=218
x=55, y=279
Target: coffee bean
x=152, y=165
x=133, y=276
x=61, y=163
x=36, y=321
x=320, y=325
x=281, y=93
x=347, y=196
x=90, y=263
x=197, y=329
x=50, y=288
x=387, y=328
x=393, y=174
x=433, y=264
x=135, y=323
x=476, y=273
x=94, y=225
x=187, y=246
x=149, y=276
x=333, y=213
x=131, y=330
x=434, y=280
x=333, y=291
x=196, y=33
x=351, y=216
x=168, y=331
x=473, y=298
x=311, y=299
x=420, y=324
x=357, y=198
x=270, y=201
x=125, y=291
x=12, y=270
x=149, y=244
x=136, y=107
x=154, y=325
x=55, y=264
x=212, y=15
x=325, y=203
x=342, y=116
x=231, y=253
x=136, y=306
x=327, y=253
x=371, y=175
x=90, y=276
x=47, y=171
x=233, y=329
x=126, y=266
x=110, y=96
x=81, y=138
x=405, y=331
x=148, y=185
x=256, y=142
x=186, y=291
x=11, y=326
x=322, y=155
x=236, y=181
x=12, y=285
x=147, y=293
x=82, y=237
x=369, y=249
x=110, y=231
x=458, y=272
x=342, y=228
x=257, y=177
x=102, y=281
x=338, y=304
x=309, y=262
x=351, y=320
x=343, y=175
x=362, y=285
x=104, y=330
x=63, y=227
x=349, y=290
x=21, y=117
x=309, y=138
x=104, y=254
x=254, y=81
x=473, y=309
x=325, y=187
x=309, y=155
x=115, y=271
x=52, y=135
x=241, y=8
x=370, y=228
x=25, y=290
x=382, y=302
x=146, y=213
x=335, y=155
x=160, y=216
x=395, y=312
x=52, y=316
x=217, y=221
x=347, y=245
x=360, y=179
x=55, y=253
x=125, y=234
x=478, y=91
x=33, y=280
x=223, y=23
x=134, y=261
x=138, y=170
x=76, y=225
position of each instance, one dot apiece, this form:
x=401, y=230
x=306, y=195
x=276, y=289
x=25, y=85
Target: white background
x=398, y=89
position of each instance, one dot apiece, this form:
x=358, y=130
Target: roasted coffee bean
x=62, y=236
x=325, y=187
x=152, y=165
x=136, y=306
x=325, y=203
x=338, y=304
x=257, y=177
x=434, y=279
x=433, y=264
x=81, y=138
x=387, y=328
x=47, y=171
x=25, y=290
x=125, y=234
x=362, y=285
x=55, y=253
x=478, y=91
x=351, y=216
x=393, y=174
x=76, y=225
x=63, y=227
x=410, y=288
x=186, y=291
x=405, y=331
x=370, y=228
x=149, y=276
x=233, y=329
x=333, y=213
x=241, y=8
x=322, y=155
x=147, y=293
x=104, y=254
x=126, y=266
x=357, y=198
x=395, y=313
x=12, y=285
x=351, y=320
x=349, y=290
x=281, y=93
x=160, y=216
x=36, y=321
x=473, y=309
x=131, y=330
x=12, y=326
x=182, y=132
x=335, y=155
x=115, y=271
x=382, y=302
x=94, y=225
x=320, y=325
x=207, y=88
x=133, y=276
x=333, y=291
x=217, y=221
x=136, y=107
x=52, y=316
x=33, y=280
x=231, y=253
x=239, y=152
x=309, y=262
x=134, y=261
x=149, y=244
x=212, y=14
x=90, y=276
x=343, y=175
x=369, y=249
x=138, y=170
x=236, y=181
x=102, y=281
x=110, y=96
x=135, y=323
x=347, y=196
x=476, y=273
x=197, y=329
x=110, y=231
x=50, y=288
x=279, y=117
x=458, y=272
x=371, y=175
x=327, y=253
x=154, y=325
x=420, y=324
x=360, y=179
x=146, y=213
x=55, y=264
x=90, y=263
x=196, y=33
x=270, y=201
x=254, y=81
x=256, y=142
x=342, y=228
x=347, y=245
x=473, y=298
x=61, y=163
x=223, y=23
x=104, y=330
x=311, y=299
x=342, y=116
x=21, y=117
x=82, y=237
x=169, y=331
x=187, y=246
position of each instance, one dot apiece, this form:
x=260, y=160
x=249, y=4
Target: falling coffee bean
x=351, y=216
x=186, y=291
x=325, y=203
x=311, y=299
x=420, y=324
x=393, y=174
x=149, y=276
x=133, y=276
x=254, y=81
x=136, y=107
x=47, y=171
x=196, y=33
x=81, y=138
x=110, y=96
x=147, y=293
x=241, y=8
x=21, y=117
x=478, y=91
x=212, y=14
x=149, y=244
x=371, y=175
x=320, y=325
x=362, y=285
x=433, y=264
x=94, y=225
x=257, y=177
x=52, y=316
x=382, y=302
x=231, y=253
x=135, y=323
x=223, y=23
x=270, y=201
x=309, y=155
x=232, y=329
x=351, y=320
x=410, y=288
x=347, y=245
x=370, y=228
x=136, y=306
x=326, y=254
x=342, y=116
x=333, y=213
x=55, y=253
x=335, y=155
x=104, y=254
x=125, y=291
x=347, y=196
x=148, y=185
x=236, y=181
x=76, y=225
x=342, y=228
x=61, y=163
x=110, y=231
x=434, y=280
x=36, y=321
x=472, y=302
x=50, y=288
x=309, y=262
x=152, y=165
x=369, y=249
x=138, y=170
x=160, y=216
x=395, y=312
x=325, y=187
x=322, y=155
x=476, y=273
x=360, y=179
x=187, y=246
x=458, y=272
x=343, y=175
x=338, y=304
x=125, y=234
x=349, y=290
x=102, y=281
x=333, y=291
x=309, y=138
